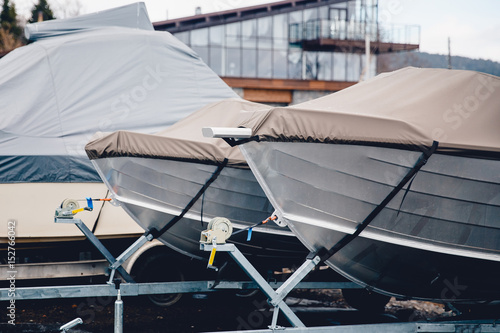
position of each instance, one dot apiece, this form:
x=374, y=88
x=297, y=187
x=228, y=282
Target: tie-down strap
x=157, y=233
x=325, y=254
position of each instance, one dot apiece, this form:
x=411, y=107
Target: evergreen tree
x=8, y=19
x=10, y=31
x=43, y=8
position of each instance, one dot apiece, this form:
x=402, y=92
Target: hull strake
x=449, y=212
x=153, y=191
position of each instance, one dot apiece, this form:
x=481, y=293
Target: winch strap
x=99, y=214
x=270, y=218
x=157, y=233
x=348, y=238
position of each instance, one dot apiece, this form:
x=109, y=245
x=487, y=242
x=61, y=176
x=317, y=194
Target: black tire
x=365, y=300
x=160, y=267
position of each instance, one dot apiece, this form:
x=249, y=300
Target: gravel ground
x=215, y=313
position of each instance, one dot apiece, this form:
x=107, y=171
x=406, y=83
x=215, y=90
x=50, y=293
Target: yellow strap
x=212, y=256
x=77, y=211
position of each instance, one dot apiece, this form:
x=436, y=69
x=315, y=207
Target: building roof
x=239, y=14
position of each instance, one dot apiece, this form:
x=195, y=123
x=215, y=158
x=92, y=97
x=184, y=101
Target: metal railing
x=354, y=30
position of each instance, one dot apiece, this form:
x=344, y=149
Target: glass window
x=233, y=34
x=233, y=64
x=216, y=35
x=295, y=25
x=216, y=60
x=249, y=64
x=264, y=32
x=295, y=64
x=311, y=23
x=264, y=63
x=183, y=37
x=351, y=10
x=280, y=31
x=310, y=14
x=338, y=24
x=199, y=37
x=373, y=66
x=339, y=62
x=324, y=66
x=339, y=5
x=353, y=67
x=323, y=12
x=249, y=33
x=312, y=65
x=338, y=14
x=279, y=64
x=296, y=17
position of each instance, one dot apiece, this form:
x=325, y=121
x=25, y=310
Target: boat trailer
x=213, y=240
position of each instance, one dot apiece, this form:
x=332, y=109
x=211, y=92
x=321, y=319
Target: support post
x=118, y=308
x=276, y=298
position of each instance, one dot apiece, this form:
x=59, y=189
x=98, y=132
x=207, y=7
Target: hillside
x=389, y=62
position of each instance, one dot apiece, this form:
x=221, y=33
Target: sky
x=472, y=26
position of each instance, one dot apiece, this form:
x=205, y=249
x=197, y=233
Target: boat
x=97, y=72
x=173, y=183
x=394, y=182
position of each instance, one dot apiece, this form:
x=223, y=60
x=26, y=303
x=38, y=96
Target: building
x=291, y=51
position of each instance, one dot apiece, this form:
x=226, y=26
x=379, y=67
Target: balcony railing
x=354, y=30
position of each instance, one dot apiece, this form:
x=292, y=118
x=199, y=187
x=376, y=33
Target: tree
x=8, y=42
x=43, y=9
x=10, y=31
x=8, y=20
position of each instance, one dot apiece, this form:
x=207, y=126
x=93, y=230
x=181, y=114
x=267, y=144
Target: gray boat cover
x=58, y=91
x=183, y=140
x=410, y=107
x=131, y=16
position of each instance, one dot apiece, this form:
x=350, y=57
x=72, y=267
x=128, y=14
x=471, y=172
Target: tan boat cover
x=409, y=107
x=183, y=140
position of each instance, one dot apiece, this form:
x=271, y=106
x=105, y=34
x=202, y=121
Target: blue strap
x=249, y=235
x=89, y=203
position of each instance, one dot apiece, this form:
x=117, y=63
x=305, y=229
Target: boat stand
x=275, y=291
x=276, y=297
x=115, y=264
x=113, y=287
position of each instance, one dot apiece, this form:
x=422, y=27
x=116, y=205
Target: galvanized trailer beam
x=415, y=327
x=135, y=289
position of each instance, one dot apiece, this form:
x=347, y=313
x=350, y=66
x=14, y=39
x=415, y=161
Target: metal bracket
x=114, y=266
x=131, y=250
x=276, y=297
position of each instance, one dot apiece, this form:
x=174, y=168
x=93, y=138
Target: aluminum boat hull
x=154, y=191
x=438, y=240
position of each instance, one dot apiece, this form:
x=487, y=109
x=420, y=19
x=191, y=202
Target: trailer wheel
x=160, y=267
x=365, y=300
